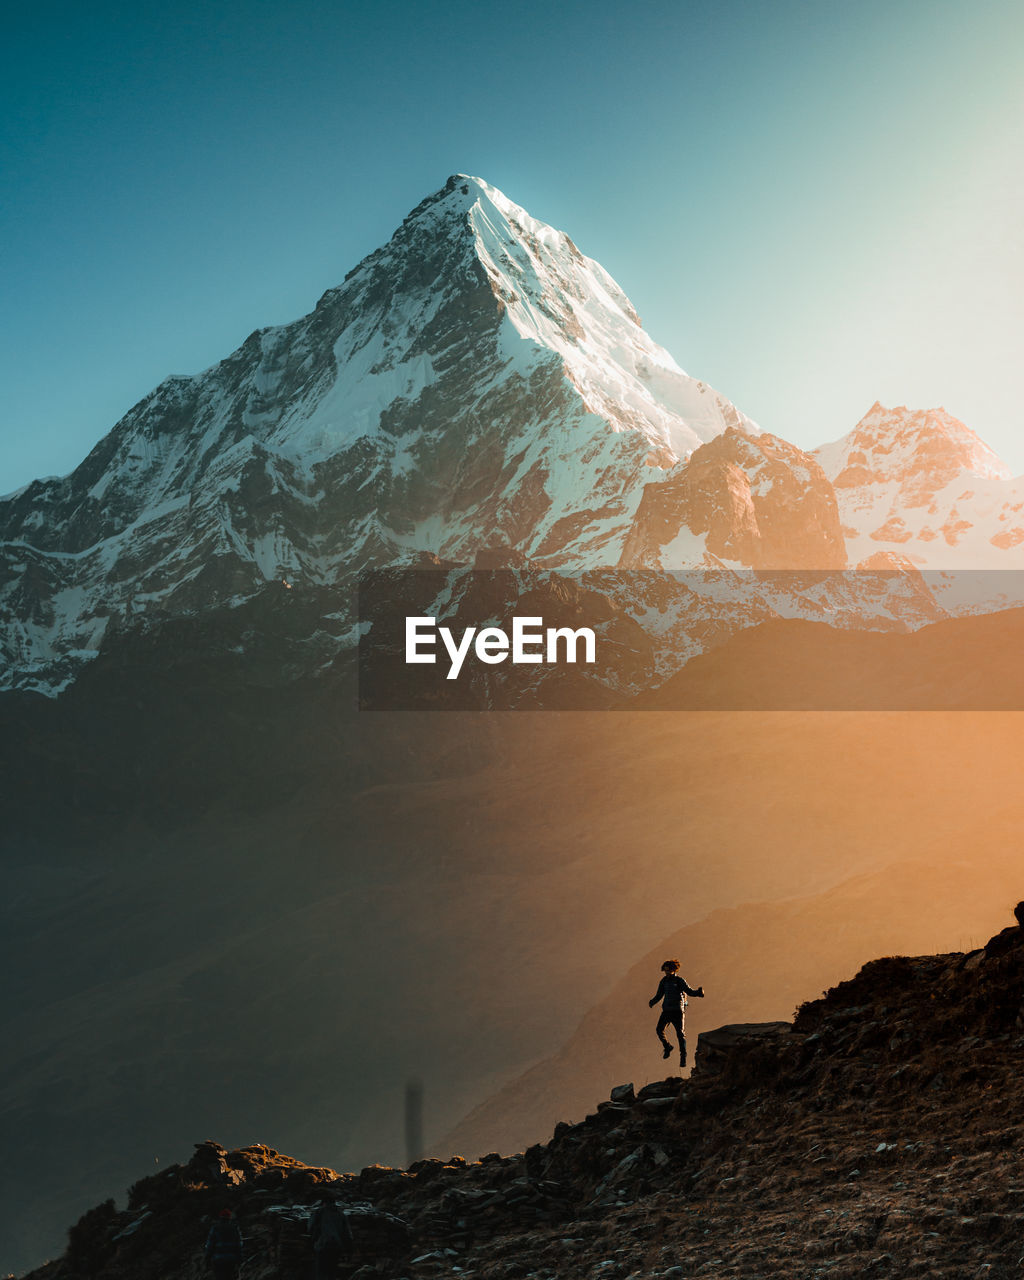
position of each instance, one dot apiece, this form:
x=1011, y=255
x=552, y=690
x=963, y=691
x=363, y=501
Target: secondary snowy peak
x=924, y=484
x=918, y=451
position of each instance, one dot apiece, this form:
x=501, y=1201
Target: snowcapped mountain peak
x=553, y=303
x=475, y=381
x=921, y=450
x=563, y=302
x=470, y=191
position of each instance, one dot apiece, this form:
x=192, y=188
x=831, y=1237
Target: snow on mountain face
x=569, y=304
x=475, y=383
x=476, y=380
x=923, y=484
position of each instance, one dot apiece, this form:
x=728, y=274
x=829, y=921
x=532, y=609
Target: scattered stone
x=777, y=1158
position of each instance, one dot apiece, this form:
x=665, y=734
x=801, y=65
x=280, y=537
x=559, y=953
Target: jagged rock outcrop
x=751, y=499
x=877, y=1132
x=717, y=1049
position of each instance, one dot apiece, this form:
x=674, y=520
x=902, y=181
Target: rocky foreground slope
x=878, y=1134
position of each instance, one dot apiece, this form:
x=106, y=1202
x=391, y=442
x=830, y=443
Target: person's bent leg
x=677, y=1023
x=663, y=1022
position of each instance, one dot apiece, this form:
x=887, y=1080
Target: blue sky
x=812, y=205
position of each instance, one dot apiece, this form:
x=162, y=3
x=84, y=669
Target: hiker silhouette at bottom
x=224, y=1247
x=672, y=992
x=331, y=1236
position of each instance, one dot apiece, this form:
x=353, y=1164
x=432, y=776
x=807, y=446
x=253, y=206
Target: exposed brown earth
x=878, y=1134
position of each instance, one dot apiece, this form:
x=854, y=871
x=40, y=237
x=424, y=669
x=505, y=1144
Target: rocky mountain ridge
x=476, y=380
x=875, y=1133
x=475, y=383
x=752, y=500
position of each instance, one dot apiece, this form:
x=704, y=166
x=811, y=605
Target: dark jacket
x=671, y=990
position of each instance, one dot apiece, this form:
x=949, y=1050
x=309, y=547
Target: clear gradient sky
x=812, y=203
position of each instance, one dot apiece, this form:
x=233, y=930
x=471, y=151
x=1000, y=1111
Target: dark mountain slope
x=223, y=885
x=967, y=664
x=877, y=1133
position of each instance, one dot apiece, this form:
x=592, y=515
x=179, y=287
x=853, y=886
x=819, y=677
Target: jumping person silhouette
x=672, y=992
